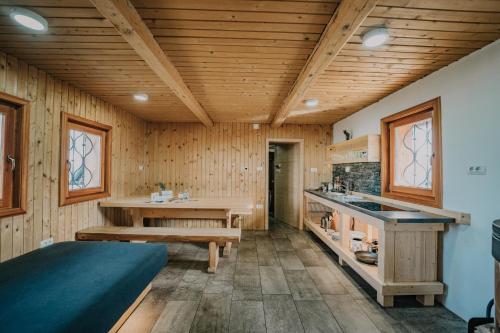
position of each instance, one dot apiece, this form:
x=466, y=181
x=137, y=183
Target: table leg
x=227, y=246
x=137, y=218
x=213, y=256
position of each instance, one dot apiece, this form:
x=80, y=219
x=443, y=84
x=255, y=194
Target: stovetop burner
x=376, y=207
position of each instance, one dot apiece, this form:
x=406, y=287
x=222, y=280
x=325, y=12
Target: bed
x=76, y=286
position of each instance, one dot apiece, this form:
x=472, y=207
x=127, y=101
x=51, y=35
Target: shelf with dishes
x=407, y=253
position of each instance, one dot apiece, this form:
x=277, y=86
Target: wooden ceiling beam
x=342, y=26
x=126, y=19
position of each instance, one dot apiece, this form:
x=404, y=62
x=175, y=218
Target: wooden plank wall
x=44, y=218
x=222, y=161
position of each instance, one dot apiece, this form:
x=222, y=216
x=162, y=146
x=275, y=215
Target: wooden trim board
x=300, y=142
x=130, y=310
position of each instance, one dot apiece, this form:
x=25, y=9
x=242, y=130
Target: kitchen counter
x=406, y=215
x=407, y=238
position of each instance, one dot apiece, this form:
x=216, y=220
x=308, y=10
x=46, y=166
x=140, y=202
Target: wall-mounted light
x=141, y=97
x=28, y=19
x=310, y=103
x=375, y=37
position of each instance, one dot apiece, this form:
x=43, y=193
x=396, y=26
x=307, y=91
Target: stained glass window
x=413, y=154
x=84, y=159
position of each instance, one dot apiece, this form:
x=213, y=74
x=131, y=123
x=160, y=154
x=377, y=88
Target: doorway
x=284, y=182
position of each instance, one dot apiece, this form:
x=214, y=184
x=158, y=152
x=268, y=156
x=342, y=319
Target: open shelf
x=367, y=272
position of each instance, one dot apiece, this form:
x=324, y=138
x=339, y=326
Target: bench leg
x=213, y=256
x=227, y=249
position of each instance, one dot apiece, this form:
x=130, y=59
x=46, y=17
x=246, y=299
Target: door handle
x=12, y=161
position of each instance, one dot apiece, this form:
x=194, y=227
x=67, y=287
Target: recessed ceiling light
x=28, y=19
x=141, y=97
x=375, y=37
x=310, y=103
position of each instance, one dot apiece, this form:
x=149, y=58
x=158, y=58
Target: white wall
x=470, y=102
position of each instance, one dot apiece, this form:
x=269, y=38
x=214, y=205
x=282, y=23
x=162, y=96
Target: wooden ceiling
x=240, y=58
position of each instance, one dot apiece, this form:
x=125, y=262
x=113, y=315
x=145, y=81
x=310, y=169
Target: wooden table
x=227, y=209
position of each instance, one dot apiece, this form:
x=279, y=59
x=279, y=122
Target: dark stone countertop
x=410, y=216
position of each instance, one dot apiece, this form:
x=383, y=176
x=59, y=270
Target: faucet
x=346, y=186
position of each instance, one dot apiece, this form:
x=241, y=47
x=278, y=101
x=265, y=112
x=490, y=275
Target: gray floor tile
x=247, y=294
x=302, y=286
x=326, y=282
x=281, y=314
x=309, y=257
x=267, y=256
x=349, y=315
x=247, y=316
x=218, y=286
x=283, y=244
x=290, y=261
x=316, y=317
x=213, y=314
x=273, y=280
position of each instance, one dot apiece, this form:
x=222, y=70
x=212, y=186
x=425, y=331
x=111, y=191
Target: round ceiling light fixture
x=141, y=97
x=310, y=103
x=375, y=37
x=28, y=19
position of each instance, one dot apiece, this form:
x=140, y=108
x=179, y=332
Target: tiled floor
x=277, y=281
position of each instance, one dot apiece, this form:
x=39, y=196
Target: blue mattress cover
x=75, y=286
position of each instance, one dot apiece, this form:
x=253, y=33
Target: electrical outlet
x=259, y=206
x=348, y=169
x=47, y=242
x=141, y=167
x=477, y=170
x=314, y=170
x=259, y=169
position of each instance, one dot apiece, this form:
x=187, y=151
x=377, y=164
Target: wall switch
x=477, y=170
x=347, y=169
x=141, y=167
x=259, y=206
x=314, y=170
x=259, y=168
x=47, y=242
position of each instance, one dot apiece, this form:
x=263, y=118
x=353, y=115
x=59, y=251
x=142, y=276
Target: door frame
x=300, y=142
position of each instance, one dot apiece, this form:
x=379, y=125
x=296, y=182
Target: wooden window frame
x=67, y=197
x=20, y=124
x=433, y=197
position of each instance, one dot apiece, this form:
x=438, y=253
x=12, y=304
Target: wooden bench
x=215, y=237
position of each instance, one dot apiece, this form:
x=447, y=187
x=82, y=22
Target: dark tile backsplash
x=365, y=177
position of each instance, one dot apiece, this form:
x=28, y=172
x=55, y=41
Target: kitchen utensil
x=155, y=197
x=356, y=244
x=367, y=257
